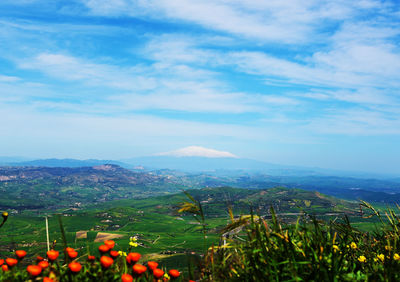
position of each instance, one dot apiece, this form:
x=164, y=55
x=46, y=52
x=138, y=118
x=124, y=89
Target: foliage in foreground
x=310, y=250
x=112, y=265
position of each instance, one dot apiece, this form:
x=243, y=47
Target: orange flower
x=34, y=270
x=104, y=249
x=52, y=255
x=1, y=261
x=91, y=258
x=174, y=273
x=139, y=269
x=72, y=254
x=109, y=243
x=39, y=258
x=152, y=265
x=75, y=266
x=114, y=254
x=4, y=267
x=132, y=258
x=47, y=279
x=11, y=262
x=106, y=262
x=158, y=273
x=43, y=264
x=126, y=278
x=20, y=254
x=68, y=249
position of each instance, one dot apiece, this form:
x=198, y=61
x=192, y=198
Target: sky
x=309, y=83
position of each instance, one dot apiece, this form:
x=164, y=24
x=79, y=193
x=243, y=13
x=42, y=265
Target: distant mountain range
x=216, y=166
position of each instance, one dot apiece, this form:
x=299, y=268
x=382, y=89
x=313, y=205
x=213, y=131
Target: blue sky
x=311, y=83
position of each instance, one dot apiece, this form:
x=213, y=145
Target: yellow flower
x=362, y=259
x=353, y=245
x=396, y=256
x=133, y=244
x=121, y=253
x=335, y=248
x=166, y=276
x=133, y=239
x=381, y=257
x=388, y=248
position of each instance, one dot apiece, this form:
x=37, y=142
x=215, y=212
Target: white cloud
x=7, y=78
x=197, y=151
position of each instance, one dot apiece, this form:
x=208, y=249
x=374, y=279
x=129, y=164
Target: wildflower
x=388, y=248
x=396, y=256
x=34, y=270
x=68, y=249
x=47, y=279
x=11, y=262
x=106, y=262
x=139, y=269
x=381, y=257
x=353, y=245
x=5, y=216
x=152, y=265
x=126, y=278
x=39, y=258
x=158, y=273
x=75, y=266
x=133, y=239
x=133, y=258
x=174, y=273
x=362, y=259
x=335, y=248
x=1, y=261
x=4, y=267
x=121, y=253
x=166, y=276
x=72, y=254
x=20, y=254
x=43, y=264
x=91, y=258
x=133, y=244
x=104, y=249
x=114, y=254
x=52, y=255
x=109, y=243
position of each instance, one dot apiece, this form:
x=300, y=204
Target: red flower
x=20, y=254
x=72, y=254
x=109, y=243
x=1, y=261
x=114, y=254
x=11, y=262
x=68, y=249
x=52, y=255
x=104, y=249
x=39, y=258
x=75, y=266
x=174, y=273
x=106, y=262
x=91, y=258
x=43, y=264
x=4, y=267
x=152, y=265
x=139, y=269
x=158, y=273
x=126, y=278
x=34, y=270
x=133, y=258
x=47, y=279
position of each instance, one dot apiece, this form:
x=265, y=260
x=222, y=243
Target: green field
x=160, y=229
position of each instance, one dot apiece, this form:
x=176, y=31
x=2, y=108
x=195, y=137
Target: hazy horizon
x=307, y=84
